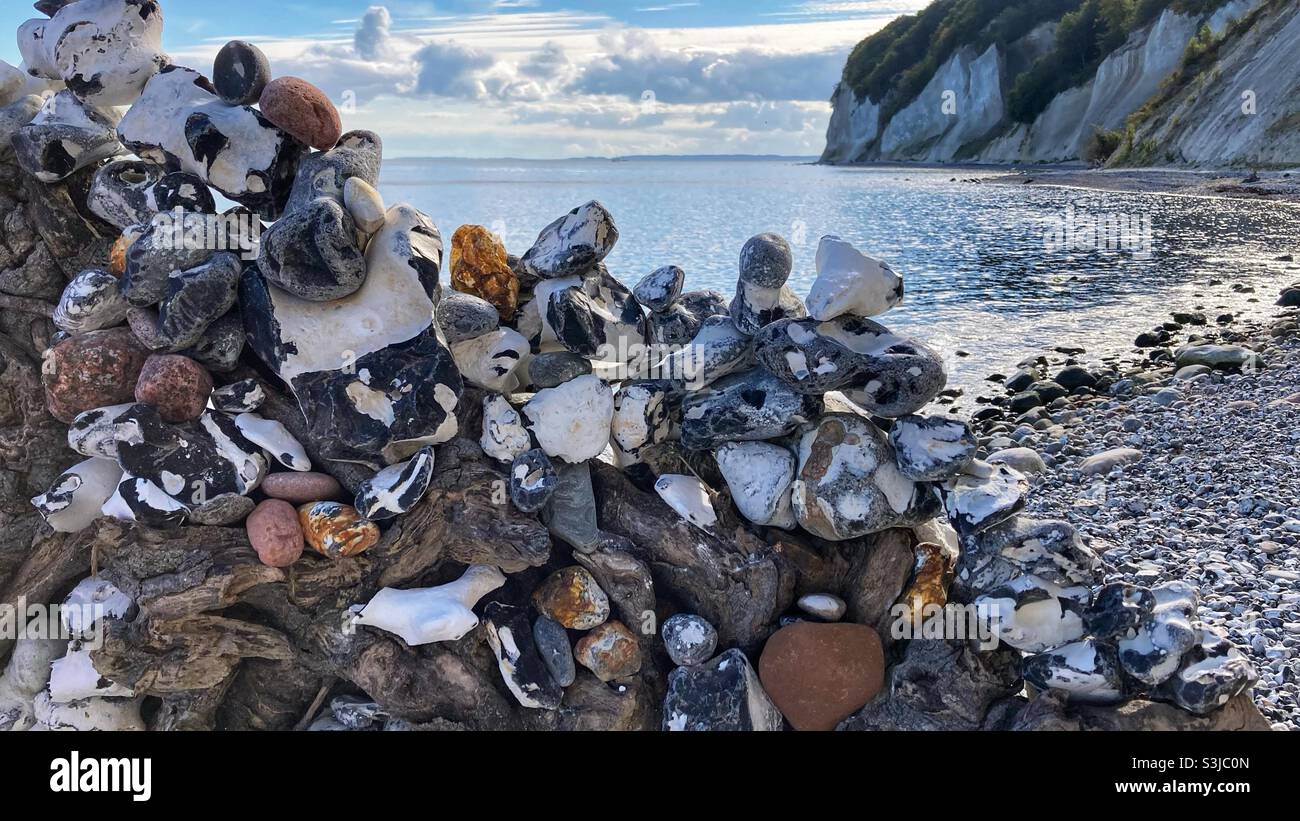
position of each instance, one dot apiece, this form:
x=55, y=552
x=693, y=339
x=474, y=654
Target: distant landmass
x=631, y=158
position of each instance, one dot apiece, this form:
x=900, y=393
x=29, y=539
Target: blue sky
x=548, y=78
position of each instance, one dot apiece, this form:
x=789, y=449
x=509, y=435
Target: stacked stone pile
x=537, y=498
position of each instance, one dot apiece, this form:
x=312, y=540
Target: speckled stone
x=689, y=639
x=572, y=597
x=302, y=110
x=479, y=267
x=337, y=530
x=91, y=370
x=610, y=651
x=176, y=385
x=240, y=73
x=276, y=533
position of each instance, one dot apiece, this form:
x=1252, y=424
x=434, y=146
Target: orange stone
x=572, y=597
x=610, y=651
x=931, y=577
x=478, y=267
x=117, y=255
x=337, y=530
x=818, y=674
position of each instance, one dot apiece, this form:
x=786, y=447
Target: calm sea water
x=996, y=271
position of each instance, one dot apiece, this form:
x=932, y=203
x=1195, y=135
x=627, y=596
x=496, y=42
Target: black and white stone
x=510, y=635
x=556, y=652
x=1212, y=673
x=1086, y=671
x=312, y=252
x=755, y=306
x=593, y=316
x=932, y=448
x=326, y=173
x=490, y=361
x=1032, y=614
x=142, y=501
x=814, y=357
x=641, y=420
x=722, y=694
x=92, y=433
x=689, y=639
x=744, y=407
x=397, y=488
x=166, y=245
x=717, y=350
x=240, y=72
x=681, y=321
x=899, y=376
x=104, y=50
x=179, y=122
x=93, y=599
x=220, y=346
x=90, y=302
x=183, y=190
x=572, y=421
x=689, y=498
x=984, y=496
x=533, y=478
x=121, y=192
x=1154, y=651
x=760, y=476
x=766, y=261
x=1049, y=549
x=244, y=396
x=850, y=282
x=65, y=136
x=660, y=288
x=273, y=437
x=573, y=244
x=848, y=483
x=76, y=497
x=1118, y=610
x=464, y=316
x=196, y=298
x=74, y=677
x=504, y=436
x=554, y=368
x=570, y=514
x=14, y=116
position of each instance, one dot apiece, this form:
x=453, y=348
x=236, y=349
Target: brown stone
x=819, y=674
x=931, y=577
x=572, y=597
x=301, y=488
x=304, y=111
x=176, y=385
x=479, y=267
x=337, y=530
x=117, y=255
x=275, y=533
x=91, y=370
x=610, y=651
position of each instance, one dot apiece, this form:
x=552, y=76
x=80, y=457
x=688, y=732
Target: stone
x=510, y=636
x=848, y=483
x=1153, y=651
x=275, y=533
x=824, y=606
x=689, y=498
x=326, y=173
x=91, y=370
x=759, y=476
x=975, y=502
x=87, y=714
x=553, y=645
x=809, y=356
x=755, y=307
x=721, y=695
x=14, y=117
x=689, y=639
x=1075, y=376
x=1022, y=460
x=397, y=488
x=92, y=432
x=1118, y=609
x=554, y=368
x=491, y=360
x=240, y=72
x=716, y=350
x=932, y=575
x=226, y=509
x=641, y=420
x=275, y=438
x=196, y=462
x=1212, y=673
x=464, y=316
x=143, y=501
x=744, y=407
x=74, y=677
x=25, y=675
x=425, y=615
x=660, y=288
x=197, y=298
x=337, y=530
x=573, y=244
x=65, y=136
x=850, y=282
x=302, y=488
x=681, y=321
x=932, y=448
x=1049, y=549
x=1032, y=614
x=595, y=317
x=479, y=268
x=244, y=396
x=610, y=651
x=188, y=192
x=1086, y=671
x=504, y=436
x=179, y=122
x=572, y=421
x=76, y=497
x=572, y=598
x=176, y=385
x=312, y=253
x=817, y=675
x=127, y=193
x=90, y=302
x=121, y=246
x=1106, y=461
x=1218, y=357
x=160, y=249
x=92, y=600
x=302, y=110
x=570, y=513
x=365, y=204
x=220, y=346
x=533, y=479
x=766, y=261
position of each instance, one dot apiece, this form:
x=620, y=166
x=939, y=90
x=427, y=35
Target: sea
x=993, y=272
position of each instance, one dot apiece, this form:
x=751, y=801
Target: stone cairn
x=536, y=500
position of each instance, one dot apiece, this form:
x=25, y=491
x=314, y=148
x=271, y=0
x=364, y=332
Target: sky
x=548, y=78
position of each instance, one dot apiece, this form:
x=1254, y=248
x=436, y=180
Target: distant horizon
x=613, y=158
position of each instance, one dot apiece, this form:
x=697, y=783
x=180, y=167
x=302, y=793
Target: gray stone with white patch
x=681, y=321
x=65, y=135
x=244, y=396
x=533, y=478
x=397, y=488
x=975, y=501
x=129, y=192
x=641, y=419
x=92, y=432
x=689, y=639
x=312, y=252
x=743, y=407
x=760, y=476
x=510, y=635
x=325, y=173
x=504, y=436
x=722, y=694
x=74, y=500
x=932, y=448
x=754, y=306
x=1154, y=650
x=572, y=244
x=1212, y=673
x=1049, y=549
x=90, y=302
x=1086, y=671
x=716, y=350
x=660, y=288
x=593, y=316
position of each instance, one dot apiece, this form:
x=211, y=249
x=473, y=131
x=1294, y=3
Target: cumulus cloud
x=448, y=69
x=372, y=37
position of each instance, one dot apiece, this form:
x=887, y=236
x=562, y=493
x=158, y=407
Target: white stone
x=75, y=499
x=823, y=606
x=365, y=204
x=74, y=677
x=640, y=420
x=850, y=282
x=92, y=432
x=1032, y=614
x=429, y=614
x=104, y=714
x=689, y=497
x=91, y=600
x=504, y=436
x=980, y=499
x=24, y=676
x=491, y=361
x=760, y=476
x=572, y=421
x=275, y=438
x=105, y=50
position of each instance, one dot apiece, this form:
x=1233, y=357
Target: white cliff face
x=854, y=126
x=961, y=103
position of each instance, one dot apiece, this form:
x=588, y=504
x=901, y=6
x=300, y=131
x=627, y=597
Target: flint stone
x=1049, y=549
x=760, y=476
x=525, y=673
x=552, y=369
x=1118, y=610
x=326, y=173
x=464, y=316
x=533, y=479
x=744, y=407
x=717, y=350
x=193, y=462
x=220, y=346
x=850, y=282
x=197, y=298
x=572, y=598
x=75, y=499
x=570, y=514
x=480, y=266
x=275, y=439
x=689, y=639
x=573, y=244
x=244, y=396
x=553, y=646
x=933, y=448
x=1086, y=671
x=572, y=421
x=312, y=252
x=90, y=302
x=142, y=501
x=1032, y=614
x=1212, y=673
x=1154, y=651
x=92, y=432
x=490, y=361
x=594, y=316
x=681, y=321
x=975, y=503
x=65, y=136
x=660, y=288
x=240, y=72
x=755, y=307
x=397, y=488
x=504, y=436
x=721, y=695
x=766, y=261
x=160, y=250
x=641, y=420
